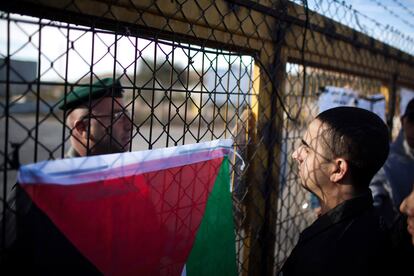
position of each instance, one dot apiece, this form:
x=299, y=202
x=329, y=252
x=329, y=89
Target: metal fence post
x=392, y=102
x=263, y=176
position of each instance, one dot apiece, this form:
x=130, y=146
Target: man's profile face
x=312, y=158
x=408, y=127
x=407, y=207
x=104, y=138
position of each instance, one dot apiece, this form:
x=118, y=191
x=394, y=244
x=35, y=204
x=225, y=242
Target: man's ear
x=341, y=168
x=79, y=129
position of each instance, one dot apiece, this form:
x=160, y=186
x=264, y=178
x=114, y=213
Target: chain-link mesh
x=196, y=71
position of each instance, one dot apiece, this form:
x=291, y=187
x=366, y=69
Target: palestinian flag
x=156, y=212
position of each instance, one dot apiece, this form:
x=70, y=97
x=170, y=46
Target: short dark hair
x=360, y=137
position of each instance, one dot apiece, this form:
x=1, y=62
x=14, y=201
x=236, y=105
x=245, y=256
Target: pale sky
x=371, y=18
x=54, y=46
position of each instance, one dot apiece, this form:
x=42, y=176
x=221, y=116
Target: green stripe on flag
x=214, y=250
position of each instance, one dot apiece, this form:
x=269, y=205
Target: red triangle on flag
x=136, y=225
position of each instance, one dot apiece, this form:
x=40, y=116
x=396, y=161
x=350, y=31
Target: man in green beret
x=97, y=118
x=99, y=123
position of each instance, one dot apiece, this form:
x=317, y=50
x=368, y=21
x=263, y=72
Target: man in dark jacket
x=340, y=153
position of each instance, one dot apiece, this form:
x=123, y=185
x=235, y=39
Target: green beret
x=100, y=88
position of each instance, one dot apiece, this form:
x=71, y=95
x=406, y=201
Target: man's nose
x=407, y=206
x=295, y=154
x=127, y=120
x=298, y=154
x=403, y=206
x=128, y=123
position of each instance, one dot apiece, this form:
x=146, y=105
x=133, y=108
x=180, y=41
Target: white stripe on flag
x=184, y=272
x=102, y=167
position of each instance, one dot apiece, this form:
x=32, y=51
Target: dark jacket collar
x=347, y=209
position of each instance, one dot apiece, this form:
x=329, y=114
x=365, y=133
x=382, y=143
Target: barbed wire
x=386, y=33
x=404, y=7
x=391, y=12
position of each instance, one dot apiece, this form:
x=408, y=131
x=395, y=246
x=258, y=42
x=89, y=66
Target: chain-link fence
x=195, y=71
